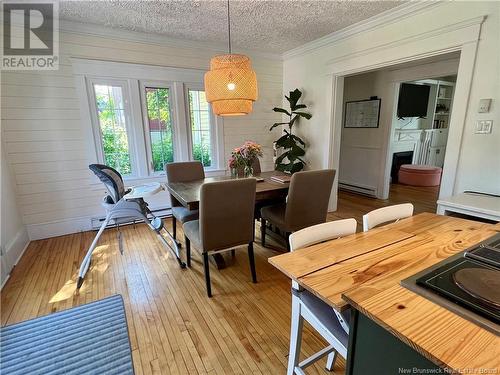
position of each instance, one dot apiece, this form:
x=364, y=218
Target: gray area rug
x=88, y=339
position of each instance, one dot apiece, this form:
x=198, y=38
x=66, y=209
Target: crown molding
x=382, y=19
x=73, y=27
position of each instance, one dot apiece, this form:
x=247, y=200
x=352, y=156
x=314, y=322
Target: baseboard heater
x=365, y=190
x=96, y=222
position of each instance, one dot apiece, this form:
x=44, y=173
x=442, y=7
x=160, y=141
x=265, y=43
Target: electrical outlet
x=484, y=126
x=484, y=106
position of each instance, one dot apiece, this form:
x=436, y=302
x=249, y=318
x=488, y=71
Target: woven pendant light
x=231, y=84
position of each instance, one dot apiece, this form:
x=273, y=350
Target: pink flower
x=245, y=154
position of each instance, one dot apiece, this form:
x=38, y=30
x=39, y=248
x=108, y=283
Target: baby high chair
x=127, y=206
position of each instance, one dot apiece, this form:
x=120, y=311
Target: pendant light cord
x=229, y=26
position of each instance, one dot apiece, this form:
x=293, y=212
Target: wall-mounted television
x=413, y=100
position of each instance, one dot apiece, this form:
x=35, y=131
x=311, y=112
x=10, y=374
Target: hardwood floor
x=174, y=328
x=355, y=205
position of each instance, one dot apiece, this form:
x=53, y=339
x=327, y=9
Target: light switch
x=484, y=126
x=484, y=106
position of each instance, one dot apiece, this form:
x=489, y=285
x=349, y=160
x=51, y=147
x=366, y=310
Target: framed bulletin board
x=362, y=113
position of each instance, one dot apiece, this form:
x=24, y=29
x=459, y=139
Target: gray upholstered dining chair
x=183, y=172
x=262, y=203
x=307, y=203
x=329, y=323
x=225, y=223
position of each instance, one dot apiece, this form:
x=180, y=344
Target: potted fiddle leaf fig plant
x=292, y=147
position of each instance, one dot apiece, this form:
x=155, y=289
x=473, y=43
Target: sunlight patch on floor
x=65, y=292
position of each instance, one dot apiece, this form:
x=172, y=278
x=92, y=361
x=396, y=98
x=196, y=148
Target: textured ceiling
x=276, y=26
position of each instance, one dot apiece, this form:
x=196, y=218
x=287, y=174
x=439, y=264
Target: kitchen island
x=393, y=330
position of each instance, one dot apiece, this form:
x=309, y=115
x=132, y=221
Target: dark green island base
x=375, y=351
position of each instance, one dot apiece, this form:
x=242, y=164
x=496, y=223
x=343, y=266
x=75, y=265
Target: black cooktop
x=471, y=280
x=462, y=281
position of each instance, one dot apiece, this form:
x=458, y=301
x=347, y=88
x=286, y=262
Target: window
x=110, y=109
x=159, y=127
x=200, y=120
x=145, y=116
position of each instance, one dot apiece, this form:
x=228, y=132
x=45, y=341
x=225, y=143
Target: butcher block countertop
x=364, y=270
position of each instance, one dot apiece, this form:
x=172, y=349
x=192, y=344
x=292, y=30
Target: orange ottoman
x=419, y=175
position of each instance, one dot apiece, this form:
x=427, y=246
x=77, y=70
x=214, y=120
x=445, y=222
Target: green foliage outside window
x=114, y=136
x=160, y=127
x=162, y=151
x=201, y=145
x=115, y=152
x=201, y=152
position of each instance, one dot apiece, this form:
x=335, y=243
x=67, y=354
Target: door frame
x=461, y=37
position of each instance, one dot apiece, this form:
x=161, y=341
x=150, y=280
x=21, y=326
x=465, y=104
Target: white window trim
x=136, y=75
x=96, y=127
x=216, y=131
x=147, y=136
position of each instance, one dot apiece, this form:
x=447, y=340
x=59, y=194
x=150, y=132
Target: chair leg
x=88, y=257
x=174, y=228
x=188, y=251
x=251, y=259
x=295, y=335
x=207, y=273
x=263, y=232
x=330, y=361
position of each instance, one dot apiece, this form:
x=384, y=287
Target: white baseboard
x=74, y=225
x=14, y=251
x=21, y=253
x=58, y=228
x=358, y=188
x=5, y=281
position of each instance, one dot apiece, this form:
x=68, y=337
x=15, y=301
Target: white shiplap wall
x=45, y=138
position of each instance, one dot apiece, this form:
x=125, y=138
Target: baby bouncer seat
x=126, y=206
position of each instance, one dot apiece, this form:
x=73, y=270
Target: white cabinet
x=428, y=146
x=436, y=146
x=436, y=156
x=439, y=137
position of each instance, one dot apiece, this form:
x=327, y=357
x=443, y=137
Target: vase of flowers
x=243, y=158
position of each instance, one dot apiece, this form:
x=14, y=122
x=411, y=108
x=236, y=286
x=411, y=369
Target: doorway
x=371, y=153
x=419, y=135
x=426, y=45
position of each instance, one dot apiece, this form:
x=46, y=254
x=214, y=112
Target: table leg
x=218, y=261
x=275, y=234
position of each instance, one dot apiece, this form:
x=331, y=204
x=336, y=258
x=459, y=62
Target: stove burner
x=467, y=283
x=482, y=284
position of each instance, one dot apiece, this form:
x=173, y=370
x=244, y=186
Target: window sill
x=211, y=172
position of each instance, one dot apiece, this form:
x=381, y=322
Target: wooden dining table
x=363, y=272
x=188, y=194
